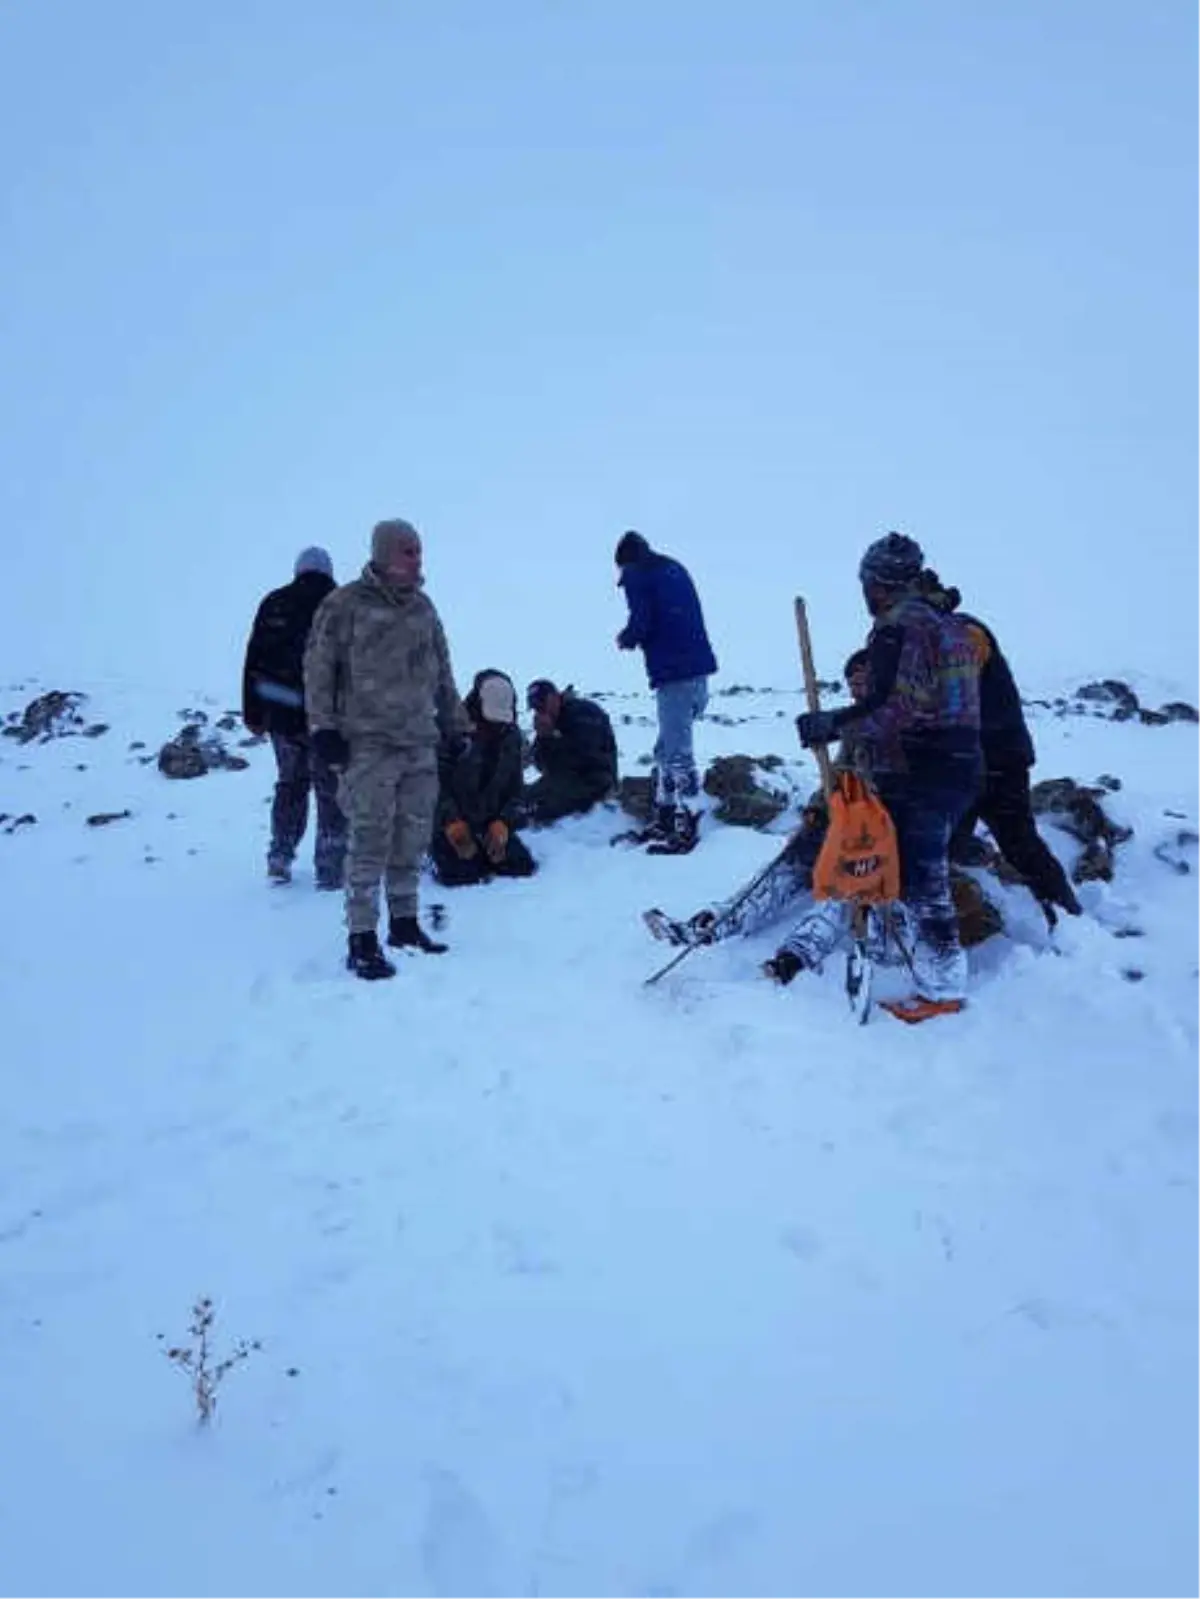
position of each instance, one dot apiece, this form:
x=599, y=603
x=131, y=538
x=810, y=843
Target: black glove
x=332, y=748
x=817, y=727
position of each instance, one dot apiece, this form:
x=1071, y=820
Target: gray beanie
x=387, y=534
x=314, y=559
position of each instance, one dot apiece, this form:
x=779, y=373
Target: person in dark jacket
x=1004, y=806
x=273, y=702
x=575, y=750
x=921, y=717
x=482, y=793
x=667, y=624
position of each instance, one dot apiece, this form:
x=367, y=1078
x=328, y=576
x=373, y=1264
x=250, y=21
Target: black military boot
x=405, y=932
x=366, y=959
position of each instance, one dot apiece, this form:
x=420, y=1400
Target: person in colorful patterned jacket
x=923, y=710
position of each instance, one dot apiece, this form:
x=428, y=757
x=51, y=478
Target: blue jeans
x=679, y=705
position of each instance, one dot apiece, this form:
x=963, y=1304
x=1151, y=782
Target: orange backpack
x=859, y=859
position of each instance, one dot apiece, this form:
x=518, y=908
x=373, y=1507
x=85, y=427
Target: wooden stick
x=821, y=751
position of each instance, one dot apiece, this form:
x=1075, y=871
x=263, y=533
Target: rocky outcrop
x=195, y=751
x=744, y=798
x=1078, y=811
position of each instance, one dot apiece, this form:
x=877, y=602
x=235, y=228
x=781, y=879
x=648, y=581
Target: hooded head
x=396, y=553
x=631, y=548
x=889, y=566
x=314, y=559
x=492, y=702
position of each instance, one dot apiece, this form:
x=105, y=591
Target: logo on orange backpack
x=859, y=858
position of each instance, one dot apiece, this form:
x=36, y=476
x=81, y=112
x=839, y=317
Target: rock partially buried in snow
x=1077, y=810
x=744, y=799
x=52, y=715
x=978, y=917
x=636, y=797
x=194, y=752
x=1116, y=699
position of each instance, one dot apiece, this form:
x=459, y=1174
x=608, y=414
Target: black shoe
x=330, y=885
x=405, y=932
x=683, y=836
x=366, y=959
x=783, y=966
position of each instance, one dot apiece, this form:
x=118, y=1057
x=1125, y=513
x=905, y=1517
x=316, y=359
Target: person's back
x=587, y=736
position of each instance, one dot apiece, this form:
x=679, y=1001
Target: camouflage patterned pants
x=389, y=796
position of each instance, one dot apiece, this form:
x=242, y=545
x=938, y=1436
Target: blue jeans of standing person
x=925, y=817
x=679, y=706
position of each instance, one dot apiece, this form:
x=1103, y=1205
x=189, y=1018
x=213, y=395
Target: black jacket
x=273, y=675
x=582, y=747
x=487, y=784
x=1003, y=730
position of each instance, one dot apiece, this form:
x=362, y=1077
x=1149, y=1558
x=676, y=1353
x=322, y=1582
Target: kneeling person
x=482, y=792
x=575, y=751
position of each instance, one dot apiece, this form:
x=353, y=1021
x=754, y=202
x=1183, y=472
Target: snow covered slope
x=564, y=1285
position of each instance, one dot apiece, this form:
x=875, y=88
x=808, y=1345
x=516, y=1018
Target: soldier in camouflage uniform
x=381, y=697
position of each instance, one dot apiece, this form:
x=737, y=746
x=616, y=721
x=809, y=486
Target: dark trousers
x=1005, y=809
x=559, y=794
x=924, y=818
x=453, y=872
x=300, y=769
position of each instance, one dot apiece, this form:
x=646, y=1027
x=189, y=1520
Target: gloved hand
x=496, y=842
x=817, y=727
x=332, y=748
x=256, y=727
x=458, y=836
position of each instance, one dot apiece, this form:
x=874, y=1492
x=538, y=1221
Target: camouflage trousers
x=389, y=796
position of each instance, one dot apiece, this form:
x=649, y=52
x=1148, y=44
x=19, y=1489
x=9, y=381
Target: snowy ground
x=567, y=1286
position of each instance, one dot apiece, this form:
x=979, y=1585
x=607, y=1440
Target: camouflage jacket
x=377, y=667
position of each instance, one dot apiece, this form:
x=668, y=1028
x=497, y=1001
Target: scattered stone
x=228, y=723
x=15, y=822
x=1110, y=784
x=138, y=744
x=1152, y=718
x=1174, y=852
x=1129, y=932
x=1133, y=974
x=96, y=730
x=1115, y=698
x=1180, y=711
x=254, y=739
x=192, y=717
x=636, y=797
x=743, y=799
x=1077, y=810
x=194, y=751
x=52, y=715
x=102, y=818
x=978, y=917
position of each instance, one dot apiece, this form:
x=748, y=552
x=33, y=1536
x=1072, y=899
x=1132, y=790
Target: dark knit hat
x=892, y=562
x=631, y=547
x=854, y=663
x=538, y=692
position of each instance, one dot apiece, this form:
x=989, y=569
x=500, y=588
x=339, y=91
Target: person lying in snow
x=921, y=720
x=482, y=793
x=1004, y=806
x=575, y=750
x=788, y=880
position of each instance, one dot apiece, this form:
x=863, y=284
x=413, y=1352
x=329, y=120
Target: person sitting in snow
x=921, y=718
x=273, y=702
x=482, y=793
x=1004, y=806
x=575, y=750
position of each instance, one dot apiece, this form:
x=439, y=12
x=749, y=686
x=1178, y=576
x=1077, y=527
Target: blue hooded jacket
x=665, y=620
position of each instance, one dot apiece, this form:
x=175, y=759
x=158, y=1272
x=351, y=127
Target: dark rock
x=1133, y=974
x=1113, y=696
x=193, y=717
x=744, y=801
x=261, y=738
x=978, y=918
x=636, y=797
x=102, y=818
x=1077, y=810
x=228, y=723
x=52, y=715
x=194, y=751
x=138, y=744
x=96, y=730
x=1153, y=718
x=1111, y=785
x=1180, y=711
x=27, y=820
x=1175, y=852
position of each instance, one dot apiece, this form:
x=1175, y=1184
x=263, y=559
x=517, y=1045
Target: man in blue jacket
x=667, y=625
